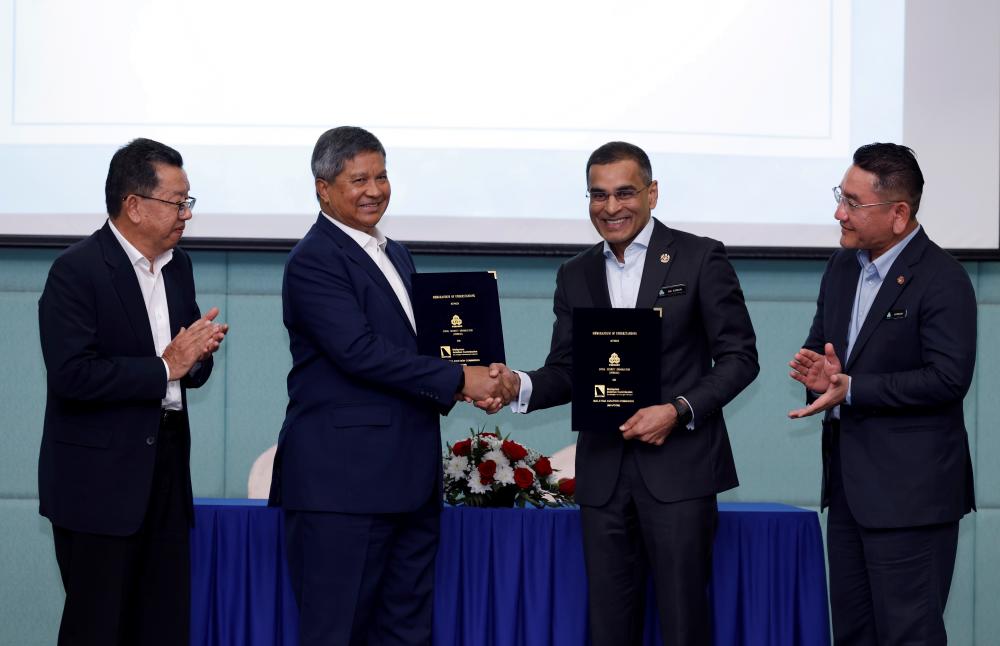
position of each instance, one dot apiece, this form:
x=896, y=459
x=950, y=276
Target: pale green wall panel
x=210, y=276
x=207, y=412
x=22, y=394
x=256, y=273
x=25, y=270
x=258, y=364
x=776, y=458
x=239, y=412
x=986, y=462
x=31, y=593
x=986, y=603
x=959, y=617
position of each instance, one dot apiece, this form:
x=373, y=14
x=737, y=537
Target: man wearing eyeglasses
x=889, y=360
x=647, y=490
x=122, y=338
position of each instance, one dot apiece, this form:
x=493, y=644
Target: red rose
x=487, y=470
x=567, y=486
x=513, y=450
x=462, y=448
x=523, y=478
x=543, y=467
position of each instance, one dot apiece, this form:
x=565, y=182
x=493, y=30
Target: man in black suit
x=113, y=472
x=897, y=475
x=647, y=490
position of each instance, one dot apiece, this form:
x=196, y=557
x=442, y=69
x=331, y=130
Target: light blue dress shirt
x=870, y=280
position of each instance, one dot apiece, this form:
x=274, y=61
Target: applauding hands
x=194, y=343
x=820, y=373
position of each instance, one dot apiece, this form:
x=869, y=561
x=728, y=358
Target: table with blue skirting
x=515, y=577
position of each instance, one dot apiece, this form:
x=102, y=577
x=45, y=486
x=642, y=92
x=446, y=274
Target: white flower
x=504, y=474
x=475, y=485
x=497, y=456
x=456, y=467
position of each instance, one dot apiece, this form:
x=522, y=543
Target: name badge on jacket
x=893, y=315
x=673, y=290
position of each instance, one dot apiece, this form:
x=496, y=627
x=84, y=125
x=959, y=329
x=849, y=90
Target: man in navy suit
x=113, y=472
x=647, y=489
x=358, y=465
x=897, y=475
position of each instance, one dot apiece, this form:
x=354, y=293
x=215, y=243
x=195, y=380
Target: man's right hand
x=193, y=343
x=813, y=370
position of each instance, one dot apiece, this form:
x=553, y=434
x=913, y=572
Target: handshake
x=490, y=388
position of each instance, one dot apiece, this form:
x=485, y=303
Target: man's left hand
x=652, y=424
x=835, y=395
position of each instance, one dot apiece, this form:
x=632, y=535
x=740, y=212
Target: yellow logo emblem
x=614, y=359
x=456, y=321
x=598, y=390
x=446, y=352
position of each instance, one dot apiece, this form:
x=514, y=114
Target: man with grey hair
x=358, y=466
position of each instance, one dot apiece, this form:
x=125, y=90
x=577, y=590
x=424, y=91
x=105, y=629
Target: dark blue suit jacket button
x=150, y=441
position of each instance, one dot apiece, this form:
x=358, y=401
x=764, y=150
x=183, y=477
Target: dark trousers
x=364, y=579
x=134, y=590
x=887, y=586
x=634, y=534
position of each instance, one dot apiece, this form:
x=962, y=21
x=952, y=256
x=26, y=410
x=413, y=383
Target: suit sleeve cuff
x=690, y=425
x=520, y=405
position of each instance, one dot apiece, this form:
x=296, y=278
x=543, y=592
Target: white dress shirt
x=154, y=295
x=374, y=246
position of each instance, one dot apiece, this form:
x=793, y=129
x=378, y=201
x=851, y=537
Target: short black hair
x=897, y=173
x=337, y=146
x=616, y=151
x=133, y=171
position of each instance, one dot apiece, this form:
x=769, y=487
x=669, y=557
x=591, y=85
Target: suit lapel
x=843, y=302
x=353, y=251
x=126, y=286
x=896, y=280
x=403, y=268
x=597, y=277
x=654, y=270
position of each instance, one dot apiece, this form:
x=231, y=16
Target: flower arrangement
x=488, y=470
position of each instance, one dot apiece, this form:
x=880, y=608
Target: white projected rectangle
x=677, y=88
x=749, y=110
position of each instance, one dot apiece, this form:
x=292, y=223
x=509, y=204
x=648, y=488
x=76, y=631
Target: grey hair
x=337, y=146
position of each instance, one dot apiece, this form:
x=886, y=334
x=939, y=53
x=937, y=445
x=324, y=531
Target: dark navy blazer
x=361, y=432
x=904, y=447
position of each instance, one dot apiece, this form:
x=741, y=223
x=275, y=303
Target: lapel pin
x=900, y=280
x=665, y=258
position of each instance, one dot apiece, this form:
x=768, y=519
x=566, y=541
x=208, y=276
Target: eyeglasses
x=183, y=204
x=840, y=198
x=622, y=194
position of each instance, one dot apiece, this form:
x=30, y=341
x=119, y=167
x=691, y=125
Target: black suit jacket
x=903, y=444
x=707, y=354
x=105, y=384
